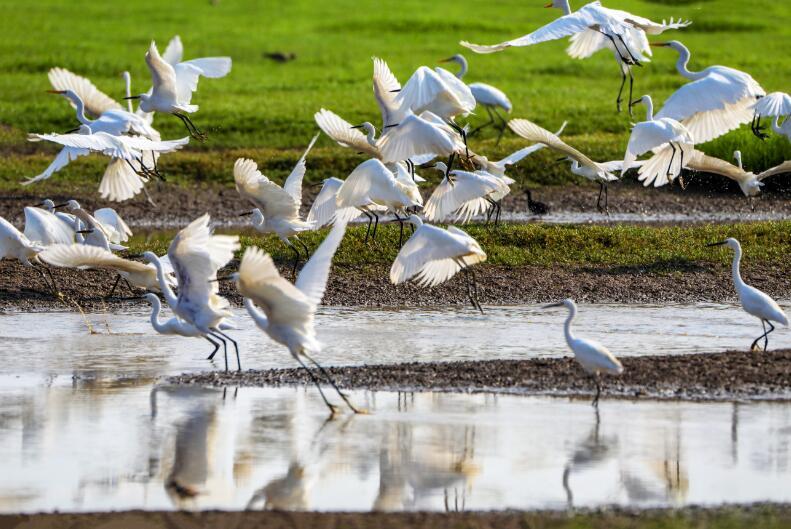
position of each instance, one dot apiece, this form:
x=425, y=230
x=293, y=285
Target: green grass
x=263, y=107
x=662, y=248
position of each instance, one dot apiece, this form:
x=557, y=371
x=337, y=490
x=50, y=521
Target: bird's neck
x=80, y=110
x=565, y=7
x=170, y=297
x=259, y=317
x=128, y=80
x=463, y=64
x=156, y=309
x=649, y=109
x=683, y=60
x=776, y=128
x=567, y=324
x=371, y=137
x=737, y=276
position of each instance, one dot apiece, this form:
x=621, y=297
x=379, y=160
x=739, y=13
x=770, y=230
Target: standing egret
x=86, y=257
x=717, y=99
x=433, y=255
x=372, y=186
x=285, y=311
x=658, y=134
x=778, y=106
x=14, y=245
x=464, y=194
x=276, y=208
x=324, y=210
x=46, y=228
x=754, y=302
x=594, y=358
x=196, y=255
x=594, y=27
x=105, y=228
x=486, y=95
x=581, y=165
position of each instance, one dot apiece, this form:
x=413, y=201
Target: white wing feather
x=312, y=280
x=96, y=102
x=293, y=184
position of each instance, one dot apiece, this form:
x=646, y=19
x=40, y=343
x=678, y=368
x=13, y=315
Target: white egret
x=749, y=182
x=84, y=257
x=658, y=134
x=754, y=302
x=418, y=135
x=433, y=255
x=778, y=106
x=486, y=95
x=499, y=167
x=371, y=187
x=324, y=210
x=105, y=228
x=178, y=327
x=14, y=245
x=594, y=358
x=717, y=99
x=581, y=165
x=464, y=194
x=286, y=311
x=196, y=255
x=594, y=27
x=46, y=228
x=276, y=208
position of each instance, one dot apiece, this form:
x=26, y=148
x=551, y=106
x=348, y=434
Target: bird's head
x=458, y=58
x=150, y=257
x=71, y=204
x=367, y=126
x=415, y=220
x=568, y=303
x=737, y=155
x=47, y=204
x=730, y=242
x=152, y=298
x=676, y=45
x=645, y=100
x=440, y=166
x=751, y=187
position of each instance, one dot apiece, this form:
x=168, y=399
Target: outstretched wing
x=532, y=132
x=324, y=210
x=163, y=76
x=342, y=132
x=44, y=227
x=120, y=182
x=99, y=142
x=385, y=88
x=774, y=104
x=414, y=136
x=84, y=256
x=272, y=199
x=174, y=52
x=96, y=102
x=114, y=225
x=312, y=280
x=66, y=155
x=784, y=167
x=293, y=184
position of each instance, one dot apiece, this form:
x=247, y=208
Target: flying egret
x=437, y=91
x=324, y=210
x=46, y=228
x=126, y=152
x=486, y=95
x=276, y=208
x=581, y=165
x=14, y=245
x=778, y=106
x=84, y=257
x=658, y=134
x=196, y=255
x=499, y=167
x=464, y=194
x=372, y=186
x=749, y=182
x=178, y=327
x=717, y=99
x=285, y=311
x=594, y=358
x=594, y=27
x=105, y=228
x=433, y=255
x=754, y=302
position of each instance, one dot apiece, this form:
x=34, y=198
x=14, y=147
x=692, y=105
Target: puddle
x=75, y=447
x=59, y=343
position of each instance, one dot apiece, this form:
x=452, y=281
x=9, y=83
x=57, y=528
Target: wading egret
x=778, y=106
x=464, y=194
x=14, y=245
x=324, y=210
x=84, y=257
x=371, y=187
x=594, y=358
x=581, y=165
x=658, y=134
x=285, y=311
x=433, y=255
x=196, y=255
x=276, y=208
x=754, y=302
x=717, y=99
x=594, y=27
x=486, y=95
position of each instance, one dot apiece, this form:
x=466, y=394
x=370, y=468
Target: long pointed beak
x=357, y=126
x=132, y=97
x=658, y=44
x=552, y=305
x=446, y=60
x=245, y=213
x=391, y=125
x=717, y=243
x=394, y=91
x=637, y=101
x=84, y=231
x=61, y=205
x=56, y=91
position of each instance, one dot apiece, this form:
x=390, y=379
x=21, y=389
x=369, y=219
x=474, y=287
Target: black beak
x=394, y=91
x=717, y=243
x=245, y=213
x=637, y=101
x=84, y=231
x=61, y=205
x=393, y=125
x=132, y=97
x=357, y=126
x=223, y=278
x=428, y=165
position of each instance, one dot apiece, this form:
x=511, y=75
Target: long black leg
x=55, y=288
x=503, y=127
x=112, y=290
x=224, y=349
x=598, y=200
x=332, y=383
x=619, y=100
x=606, y=199
x=595, y=402
x=450, y=164
x=479, y=128
x=235, y=346
x=475, y=289
x=401, y=230
x=766, y=336
x=332, y=407
x=297, y=256
x=499, y=206
x=216, y=347
x=376, y=225
x=634, y=61
x=669, y=172
x=368, y=229
x=39, y=269
x=307, y=252
x=129, y=286
x=193, y=130
x=631, y=87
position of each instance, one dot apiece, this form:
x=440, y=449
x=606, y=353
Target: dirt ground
x=718, y=376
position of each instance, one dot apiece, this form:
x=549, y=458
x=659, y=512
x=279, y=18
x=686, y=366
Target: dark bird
x=280, y=56
x=536, y=208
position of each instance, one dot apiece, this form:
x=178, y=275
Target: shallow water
x=119, y=446
x=594, y=217
x=60, y=343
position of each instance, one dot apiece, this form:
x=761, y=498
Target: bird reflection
x=589, y=452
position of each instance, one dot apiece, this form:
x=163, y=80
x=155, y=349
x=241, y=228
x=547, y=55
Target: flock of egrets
x=419, y=126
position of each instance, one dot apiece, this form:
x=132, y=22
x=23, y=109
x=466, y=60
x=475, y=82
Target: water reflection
x=122, y=446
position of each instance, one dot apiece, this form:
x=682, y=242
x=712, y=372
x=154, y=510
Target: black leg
x=606, y=199
x=376, y=225
x=332, y=383
x=598, y=200
x=669, y=172
x=193, y=130
x=401, y=230
x=498, y=205
x=332, y=407
x=129, y=286
x=618, y=100
x=631, y=87
x=307, y=252
x=224, y=349
x=480, y=127
x=595, y=402
x=766, y=336
x=296, y=260
x=55, y=289
x=112, y=290
x=368, y=229
x=235, y=346
x=632, y=57
x=216, y=347
x=451, y=158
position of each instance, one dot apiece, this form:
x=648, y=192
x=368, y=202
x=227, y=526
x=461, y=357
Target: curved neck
x=776, y=125
x=371, y=134
x=737, y=276
x=156, y=309
x=565, y=7
x=258, y=317
x=567, y=324
x=80, y=110
x=258, y=219
x=128, y=80
x=683, y=60
x=463, y=64
x=649, y=108
x=170, y=297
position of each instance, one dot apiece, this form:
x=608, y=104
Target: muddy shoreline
x=733, y=375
